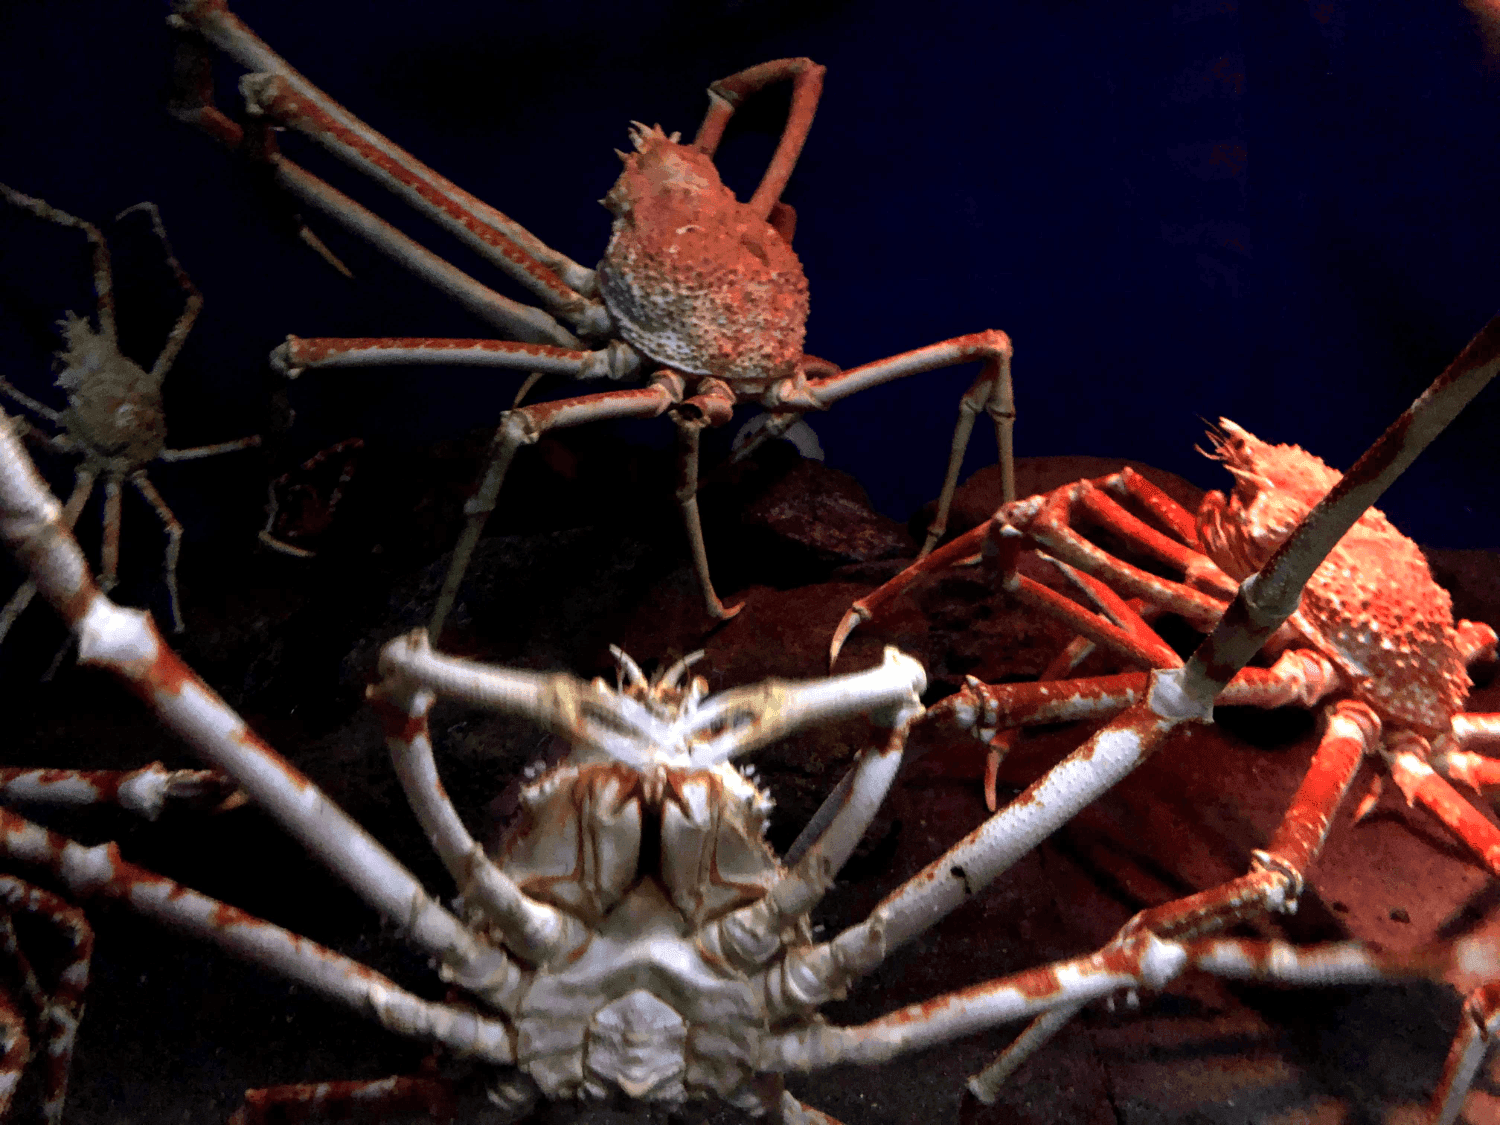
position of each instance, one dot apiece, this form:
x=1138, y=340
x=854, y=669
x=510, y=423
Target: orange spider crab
x=697, y=291
x=1372, y=639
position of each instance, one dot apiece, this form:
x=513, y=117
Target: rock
x=827, y=514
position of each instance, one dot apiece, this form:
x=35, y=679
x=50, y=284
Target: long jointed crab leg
x=144, y=791
x=1048, y=520
x=540, y=933
x=83, y=487
x=1274, y=883
x=15, y=1050
x=616, y=362
x=379, y=1099
x=58, y=1014
x=1144, y=961
x=991, y=393
x=127, y=643
x=524, y=426
x=100, y=870
x=1176, y=697
x=725, y=96
x=280, y=92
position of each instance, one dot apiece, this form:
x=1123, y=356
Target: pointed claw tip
x=847, y=624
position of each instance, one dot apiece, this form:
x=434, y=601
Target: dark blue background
x=1283, y=212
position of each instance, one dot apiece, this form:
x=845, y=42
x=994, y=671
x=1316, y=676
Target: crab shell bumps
x=696, y=279
x=1372, y=607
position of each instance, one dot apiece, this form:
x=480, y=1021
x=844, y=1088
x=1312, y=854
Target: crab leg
x=712, y=406
x=109, y=547
x=1052, y=529
x=755, y=716
x=144, y=791
x=535, y=931
x=992, y=392
x=198, y=452
x=103, y=285
x=1477, y=1028
x=521, y=321
x=173, y=529
x=1406, y=754
x=191, y=307
x=1142, y=961
x=59, y=1015
x=15, y=1049
x=1274, y=882
x=101, y=871
x=400, y=1095
x=523, y=426
x=958, y=552
x=1477, y=771
x=1045, y=521
x=616, y=361
x=725, y=96
x=127, y=644
x=1299, y=676
x=83, y=487
x=751, y=935
x=280, y=90
x=272, y=95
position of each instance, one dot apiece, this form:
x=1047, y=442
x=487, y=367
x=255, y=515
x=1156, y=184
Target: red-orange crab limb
x=697, y=291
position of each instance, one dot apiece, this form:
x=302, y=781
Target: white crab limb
x=993, y=847
x=752, y=934
x=597, y=718
x=144, y=791
x=126, y=643
x=758, y=715
x=1145, y=961
x=535, y=931
x=100, y=871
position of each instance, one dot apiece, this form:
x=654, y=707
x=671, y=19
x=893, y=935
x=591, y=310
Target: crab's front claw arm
x=751, y=717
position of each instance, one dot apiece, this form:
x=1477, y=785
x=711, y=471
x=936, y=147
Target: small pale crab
x=1372, y=641
x=698, y=290
x=115, y=419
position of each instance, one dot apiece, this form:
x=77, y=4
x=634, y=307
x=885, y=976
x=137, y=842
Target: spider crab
x=114, y=418
x=634, y=936
x=1372, y=641
x=698, y=290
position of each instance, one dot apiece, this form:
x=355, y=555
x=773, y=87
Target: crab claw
x=847, y=624
x=962, y=551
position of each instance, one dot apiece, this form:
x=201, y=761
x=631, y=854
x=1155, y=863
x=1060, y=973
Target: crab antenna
x=627, y=669
x=670, y=677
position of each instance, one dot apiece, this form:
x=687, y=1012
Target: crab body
x=694, y=278
x=114, y=405
x=643, y=858
x=1372, y=607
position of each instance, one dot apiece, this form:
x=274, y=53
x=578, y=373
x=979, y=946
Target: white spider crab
x=698, y=289
x=114, y=417
x=635, y=935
